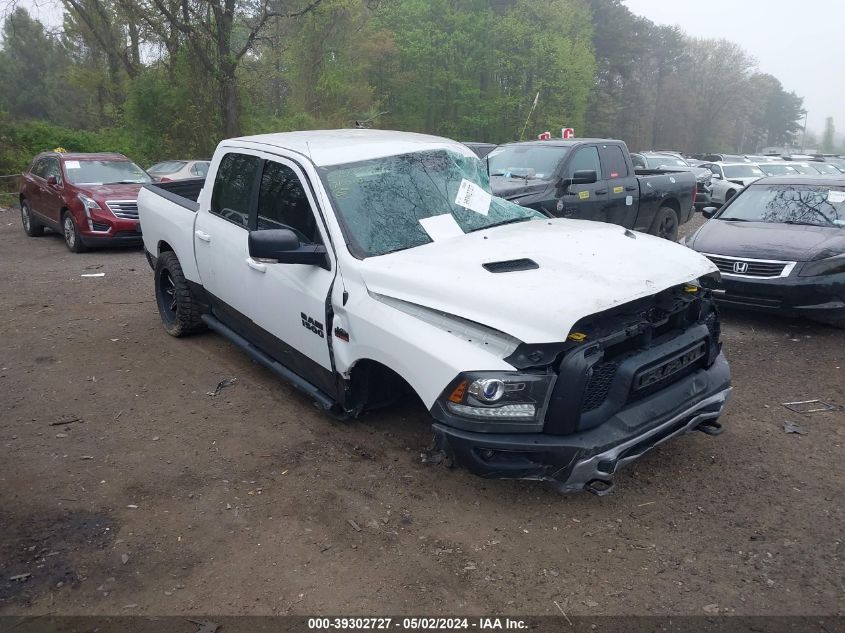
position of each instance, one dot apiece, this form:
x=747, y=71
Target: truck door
x=289, y=300
x=221, y=232
x=584, y=202
x=622, y=190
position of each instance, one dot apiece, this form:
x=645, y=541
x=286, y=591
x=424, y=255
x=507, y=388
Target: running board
x=322, y=400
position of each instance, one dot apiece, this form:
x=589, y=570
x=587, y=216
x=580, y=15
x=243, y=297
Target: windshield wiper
x=502, y=223
x=802, y=223
x=128, y=182
x=736, y=219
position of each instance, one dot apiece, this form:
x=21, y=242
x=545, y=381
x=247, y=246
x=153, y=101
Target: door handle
x=630, y=188
x=202, y=235
x=262, y=268
x=601, y=192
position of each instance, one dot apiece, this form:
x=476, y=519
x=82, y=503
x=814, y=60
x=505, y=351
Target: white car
x=363, y=265
x=731, y=178
x=178, y=170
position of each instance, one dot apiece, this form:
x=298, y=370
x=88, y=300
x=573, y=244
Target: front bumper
x=821, y=297
x=587, y=460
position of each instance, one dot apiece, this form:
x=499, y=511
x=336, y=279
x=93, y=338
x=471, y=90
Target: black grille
x=511, y=265
x=126, y=209
x=748, y=267
x=598, y=385
x=639, y=394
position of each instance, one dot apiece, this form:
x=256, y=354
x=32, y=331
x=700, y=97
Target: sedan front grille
x=745, y=267
x=126, y=209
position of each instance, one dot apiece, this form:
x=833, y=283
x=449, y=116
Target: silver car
x=178, y=170
x=731, y=178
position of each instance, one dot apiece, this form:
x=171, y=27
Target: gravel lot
x=126, y=489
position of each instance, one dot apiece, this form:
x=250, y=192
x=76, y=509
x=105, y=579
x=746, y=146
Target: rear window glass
x=613, y=162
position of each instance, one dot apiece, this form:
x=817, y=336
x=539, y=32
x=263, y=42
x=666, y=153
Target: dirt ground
x=126, y=489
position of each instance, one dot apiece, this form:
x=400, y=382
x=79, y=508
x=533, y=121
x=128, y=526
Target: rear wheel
x=31, y=226
x=179, y=309
x=666, y=224
x=71, y=234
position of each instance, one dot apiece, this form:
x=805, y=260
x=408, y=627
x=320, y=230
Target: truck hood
x=583, y=268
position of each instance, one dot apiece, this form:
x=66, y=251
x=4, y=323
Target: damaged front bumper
x=588, y=460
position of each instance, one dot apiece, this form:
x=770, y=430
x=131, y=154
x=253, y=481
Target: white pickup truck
x=364, y=265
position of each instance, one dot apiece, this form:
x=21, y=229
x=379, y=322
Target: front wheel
x=666, y=224
x=71, y=234
x=31, y=226
x=179, y=309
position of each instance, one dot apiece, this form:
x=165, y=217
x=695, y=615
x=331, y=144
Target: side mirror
x=709, y=212
x=581, y=177
x=282, y=246
x=53, y=181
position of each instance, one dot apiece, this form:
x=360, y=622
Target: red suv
x=92, y=199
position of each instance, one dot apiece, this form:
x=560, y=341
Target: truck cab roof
x=557, y=142
x=336, y=147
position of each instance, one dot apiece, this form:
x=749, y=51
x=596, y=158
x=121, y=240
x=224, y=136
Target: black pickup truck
x=592, y=179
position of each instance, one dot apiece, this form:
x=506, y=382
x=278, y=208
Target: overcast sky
x=801, y=42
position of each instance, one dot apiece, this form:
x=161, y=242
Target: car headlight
x=827, y=266
x=499, y=396
x=89, y=204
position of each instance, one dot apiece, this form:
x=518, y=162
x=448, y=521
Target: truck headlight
x=504, y=396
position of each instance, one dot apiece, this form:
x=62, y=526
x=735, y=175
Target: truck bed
x=167, y=212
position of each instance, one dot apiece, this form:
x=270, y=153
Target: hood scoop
x=511, y=266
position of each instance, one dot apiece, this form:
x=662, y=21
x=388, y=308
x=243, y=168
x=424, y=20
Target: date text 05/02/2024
x=417, y=623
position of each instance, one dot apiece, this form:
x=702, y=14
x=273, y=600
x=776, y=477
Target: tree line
x=170, y=78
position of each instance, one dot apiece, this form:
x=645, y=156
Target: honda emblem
x=740, y=268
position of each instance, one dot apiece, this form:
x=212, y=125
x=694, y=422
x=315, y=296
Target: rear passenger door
x=622, y=189
x=584, y=202
x=221, y=235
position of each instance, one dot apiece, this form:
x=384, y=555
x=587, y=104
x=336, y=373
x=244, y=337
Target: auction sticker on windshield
x=471, y=196
x=835, y=197
x=72, y=164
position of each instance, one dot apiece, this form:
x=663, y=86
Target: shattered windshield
x=381, y=202
x=789, y=204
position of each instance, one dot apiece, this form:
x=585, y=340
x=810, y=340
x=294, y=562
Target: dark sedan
x=780, y=247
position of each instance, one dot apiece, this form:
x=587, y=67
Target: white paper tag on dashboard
x=835, y=197
x=471, y=196
x=441, y=227
x=71, y=164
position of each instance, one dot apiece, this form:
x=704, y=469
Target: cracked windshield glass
x=380, y=202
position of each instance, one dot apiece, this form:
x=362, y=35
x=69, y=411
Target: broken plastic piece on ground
x=226, y=382
x=791, y=427
x=810, y=406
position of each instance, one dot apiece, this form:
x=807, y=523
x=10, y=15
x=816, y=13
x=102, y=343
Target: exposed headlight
x=827, y=266
x=88, y=204
x=503, y=396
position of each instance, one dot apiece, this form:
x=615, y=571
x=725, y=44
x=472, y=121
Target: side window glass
x=613, y=162
x=51, y=168
x=639, y=161
x=585, y=158
x=232, y=193
x=283, y=204
x=200, y=169
x=38, y=168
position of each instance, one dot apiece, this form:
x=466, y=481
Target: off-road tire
x=31, y=226
x=70, y=232
x=180, y=311
x=665, y=224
